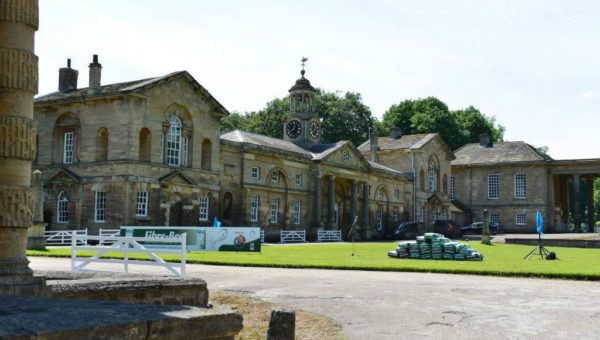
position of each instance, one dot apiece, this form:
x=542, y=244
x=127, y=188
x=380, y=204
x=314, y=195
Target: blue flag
x=216, y=223
x=539, y=221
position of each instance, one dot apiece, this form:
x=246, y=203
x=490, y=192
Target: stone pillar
x=365, y=209
x=331, y=202
x=576, y=203
x=317, y=200
x=18, y=85
x=353, y=201
x=590, y=204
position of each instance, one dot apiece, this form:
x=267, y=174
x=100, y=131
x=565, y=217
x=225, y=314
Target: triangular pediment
x=64, y=175
x=176, y=177
x=435, y=199
x=346, y=155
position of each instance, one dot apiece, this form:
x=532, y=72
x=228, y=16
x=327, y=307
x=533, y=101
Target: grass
x=500, y=259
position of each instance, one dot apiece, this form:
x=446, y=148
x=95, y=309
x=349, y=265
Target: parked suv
x=448, y=228
x=406, y=230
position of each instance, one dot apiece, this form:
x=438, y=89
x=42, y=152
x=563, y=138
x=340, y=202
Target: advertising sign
x=202, y=238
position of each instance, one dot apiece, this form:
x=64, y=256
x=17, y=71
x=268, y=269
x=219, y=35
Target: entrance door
x=176, y=217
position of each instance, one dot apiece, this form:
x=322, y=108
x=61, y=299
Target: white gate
x=293, y=236
x=63, y=237
x=107, y=234
x=329, y=235
x=127, y=245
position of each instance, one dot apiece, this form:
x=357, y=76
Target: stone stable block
x=47, y=318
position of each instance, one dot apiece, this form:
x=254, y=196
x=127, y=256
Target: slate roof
x=238, y=136
x=500, y=152
x=405, y=142
x=117, y=89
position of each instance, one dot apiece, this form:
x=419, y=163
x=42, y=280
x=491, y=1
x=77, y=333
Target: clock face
x=314, y=129
x=293, y=128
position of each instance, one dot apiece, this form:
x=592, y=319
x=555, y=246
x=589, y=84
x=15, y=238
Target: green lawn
x=500, y=259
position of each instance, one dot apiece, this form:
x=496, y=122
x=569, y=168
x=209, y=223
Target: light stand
x=351, y=234
x=538, y=250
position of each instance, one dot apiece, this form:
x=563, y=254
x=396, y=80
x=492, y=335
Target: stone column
x=354, y=201
x=590, y=204
x=365, y=207
x=331, y=202
x=18, y=85
x=576, y=203
x=35, y=234
x=317, y=216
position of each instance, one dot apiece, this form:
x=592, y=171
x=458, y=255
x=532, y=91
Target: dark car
x=406, y=230
x=448, y=228
x=477, y=228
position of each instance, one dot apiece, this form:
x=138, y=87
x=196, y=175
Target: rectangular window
x=452, y=187
x=142, y=203
x=184, y=154
x=68, y=148
x=380, y=193
x=253, y=208
x=100, y=207
x=433, y=215
x=520, y=186
x=173, y=149
x=203, y=216
x=420, y=214
x=298, y=181
x=275, y=210
x=521, y=219
x=297, y=212
x=275, y=176
x=493, y=186
x=397, y=193
x=494, y=218
x=62, y=215
x=379, y=219
x=395, y=215
x=255, y=173
x=162, y=147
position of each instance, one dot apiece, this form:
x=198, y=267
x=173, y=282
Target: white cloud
x=587, y=95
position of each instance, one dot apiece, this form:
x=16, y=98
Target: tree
x=430, y=114
x=343, y=118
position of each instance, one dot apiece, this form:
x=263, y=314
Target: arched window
x=102, y=144
x=174, y=141
x=432, y=176
x=206, y=155
x=145, y=150
x=422, y=180
x=62, y=208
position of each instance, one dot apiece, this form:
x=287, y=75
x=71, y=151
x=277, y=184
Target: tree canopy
x=430, y=114
x=344, y=117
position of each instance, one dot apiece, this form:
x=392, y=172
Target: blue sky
x=533, y=65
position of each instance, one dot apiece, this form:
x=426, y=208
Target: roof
x=117, y=89
x=320, y=151
x=404, y=142
x=500, y=152
x=302, y=84
x=238, y=136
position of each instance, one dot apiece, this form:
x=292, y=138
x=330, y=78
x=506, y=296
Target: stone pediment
x=435, y=199
x=64, y=175
x=347, y=155
x=176, y=177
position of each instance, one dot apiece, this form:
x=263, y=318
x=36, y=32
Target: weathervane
x=303, y=63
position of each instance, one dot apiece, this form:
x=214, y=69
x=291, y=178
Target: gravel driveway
x=392, y=305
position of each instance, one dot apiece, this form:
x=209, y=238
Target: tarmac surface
x=392, y=305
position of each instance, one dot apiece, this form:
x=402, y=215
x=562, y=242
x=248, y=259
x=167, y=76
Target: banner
x=202, y=238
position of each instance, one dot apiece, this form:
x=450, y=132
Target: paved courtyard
x=391, y=305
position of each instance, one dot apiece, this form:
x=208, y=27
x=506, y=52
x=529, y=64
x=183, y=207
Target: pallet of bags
x=403, y=250
x=392, y=253
x=425, y=249
x=414, y=252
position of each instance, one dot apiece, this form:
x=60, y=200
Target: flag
x=216, y=223
x=539, y=221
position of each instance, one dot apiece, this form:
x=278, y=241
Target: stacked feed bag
x=435, y=246
x=437, y=249
x=403, y=249
x=425, y=249
x=414, y=252
x=449, y=250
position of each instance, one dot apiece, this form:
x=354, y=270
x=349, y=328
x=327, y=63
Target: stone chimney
x=374, y=143
x=95, y=74
x=395, y=133
x=67, y=78
x=484, y=140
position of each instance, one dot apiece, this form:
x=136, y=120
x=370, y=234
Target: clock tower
x=302, y=126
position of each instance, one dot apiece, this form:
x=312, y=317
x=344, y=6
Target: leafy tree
x=344, y=117
x=427, y=115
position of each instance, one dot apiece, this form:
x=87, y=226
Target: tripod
x=351, y=234
x=538, y=250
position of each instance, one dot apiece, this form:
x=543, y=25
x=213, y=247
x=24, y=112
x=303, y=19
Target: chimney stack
x=395, y=133
x=484, y=140
x=374, y=143
x=95, y=74
x=67, y=78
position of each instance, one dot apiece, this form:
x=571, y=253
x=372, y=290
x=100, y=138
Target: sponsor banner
x=201, y=238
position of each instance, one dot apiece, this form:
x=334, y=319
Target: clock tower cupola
x=302, y=126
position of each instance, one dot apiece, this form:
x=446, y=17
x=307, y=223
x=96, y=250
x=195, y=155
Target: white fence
x=262, y=236
x=126, y=246
x=293, y=236
x=329, y=235
x=63, y=237
x=106, y=234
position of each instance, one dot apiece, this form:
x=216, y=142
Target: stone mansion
x=150, y=152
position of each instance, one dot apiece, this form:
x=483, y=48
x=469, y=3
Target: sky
x=533, y=65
